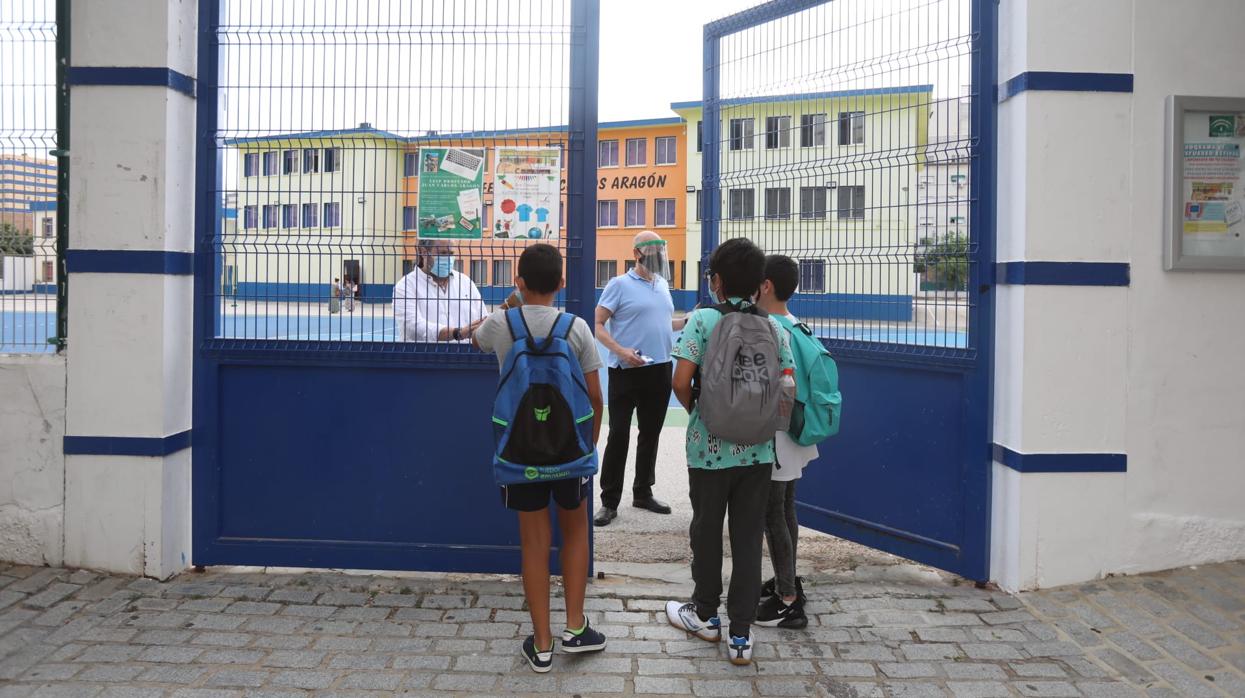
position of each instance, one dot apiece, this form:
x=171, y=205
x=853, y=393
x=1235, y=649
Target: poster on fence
x=450, y=197
x=527, y=185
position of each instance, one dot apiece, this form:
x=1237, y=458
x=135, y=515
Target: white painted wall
x=32, y=467
x=1152, y=370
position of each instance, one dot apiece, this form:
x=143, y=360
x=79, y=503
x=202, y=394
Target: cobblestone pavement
x=229, y=634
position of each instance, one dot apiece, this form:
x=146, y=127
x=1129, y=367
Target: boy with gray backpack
x=731, y=361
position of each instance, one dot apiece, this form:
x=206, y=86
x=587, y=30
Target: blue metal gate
x=332, y=425
x=856, y=136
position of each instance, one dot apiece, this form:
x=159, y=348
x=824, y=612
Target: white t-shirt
x=790, y=457
x=494, y=335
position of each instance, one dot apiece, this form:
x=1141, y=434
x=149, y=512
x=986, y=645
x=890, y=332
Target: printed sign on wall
x=450, y=201
x=526, y=193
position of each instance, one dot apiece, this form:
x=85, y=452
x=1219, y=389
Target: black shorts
x=534, y=496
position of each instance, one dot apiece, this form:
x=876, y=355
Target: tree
x=16, y=243
x=944, y=261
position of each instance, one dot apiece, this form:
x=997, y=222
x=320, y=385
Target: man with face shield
x=435, y=303
x=634, y=321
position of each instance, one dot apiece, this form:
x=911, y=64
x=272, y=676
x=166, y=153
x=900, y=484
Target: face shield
x=654, y=258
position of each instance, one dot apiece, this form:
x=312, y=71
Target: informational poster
x=1213, y=220
x=450, y=200
x=526, y=193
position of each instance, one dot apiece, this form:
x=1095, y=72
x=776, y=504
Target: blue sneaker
x=739, y=649
x=684, y=617
x=586, y=640
x=539, y=661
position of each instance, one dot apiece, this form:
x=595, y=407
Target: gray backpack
x=740, y=378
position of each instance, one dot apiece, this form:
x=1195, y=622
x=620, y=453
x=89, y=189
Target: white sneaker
x=739, y=649
x=683, y=616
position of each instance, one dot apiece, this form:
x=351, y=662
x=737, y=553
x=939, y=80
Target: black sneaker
x=770, y=588
x=540, y=662
x=773, y=613
x=586, y=640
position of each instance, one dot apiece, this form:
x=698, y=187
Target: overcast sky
x=651, y=53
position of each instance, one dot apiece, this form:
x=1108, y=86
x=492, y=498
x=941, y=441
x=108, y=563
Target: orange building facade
x=641, y=184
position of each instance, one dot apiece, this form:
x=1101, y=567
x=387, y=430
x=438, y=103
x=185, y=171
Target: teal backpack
x=817, y=399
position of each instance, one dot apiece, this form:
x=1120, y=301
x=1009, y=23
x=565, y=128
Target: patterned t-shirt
x=705, y=451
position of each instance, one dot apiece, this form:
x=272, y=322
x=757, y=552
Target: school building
x=28, y=218
x=305, y=208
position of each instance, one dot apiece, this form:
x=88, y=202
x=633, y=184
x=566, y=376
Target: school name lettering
x=633, y=182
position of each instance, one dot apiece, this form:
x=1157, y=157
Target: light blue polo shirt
x=641, y=315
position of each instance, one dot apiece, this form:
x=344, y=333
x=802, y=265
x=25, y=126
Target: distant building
x=28, y=204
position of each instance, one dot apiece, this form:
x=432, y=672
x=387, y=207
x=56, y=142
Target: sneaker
x=770, y=588
x=586, y=640
x=773, y=613
x=540, y=662
x=684, y=617
x=739, y=649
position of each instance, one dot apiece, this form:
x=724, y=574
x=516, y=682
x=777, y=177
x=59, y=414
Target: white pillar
x=132, y=222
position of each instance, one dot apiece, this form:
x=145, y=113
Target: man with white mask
x=634, y=321
x=435, y=303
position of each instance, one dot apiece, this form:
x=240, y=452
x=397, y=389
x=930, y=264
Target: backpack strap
x=751, y=309
x=561, y=329
x=517, y=324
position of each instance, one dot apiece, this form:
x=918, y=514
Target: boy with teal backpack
x=814, y=418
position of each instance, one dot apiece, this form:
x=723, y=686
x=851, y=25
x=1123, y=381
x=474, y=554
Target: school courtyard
x=893, y=631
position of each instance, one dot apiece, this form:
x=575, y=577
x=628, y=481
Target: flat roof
x=430, y=138
x=801, y=96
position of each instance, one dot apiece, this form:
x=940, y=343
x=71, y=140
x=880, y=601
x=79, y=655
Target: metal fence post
x=711, y=211
x=582, y=158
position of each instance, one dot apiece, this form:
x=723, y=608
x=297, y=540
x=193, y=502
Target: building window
x=311, y=216
x=332, y=159
x=959, y=179
x=812, y=130
x=502, y=276
x=607, y=154
x=311, y=160
x=778, y=203
x=250, y=164
x=606, y=270
x=957, y=219
x=48, y=228
x=637, y=152
x=666, y=150
x=742, y=204
x=629, y=265
x=635, y=213
x=49, y=271
x=270, y=162
x=289, y=216
x=607, y=214
x=852, y=202
x=812, y=202
x=851, y=127
x=813, y=275
x=700, y=203
x=741, y=134
x=250, y=217
x=410, y=164
x=700, y=136
x=663, y=212
x=478, y=271
x=332, y=215
x=270, y=215
x=777, y=132
x=289, y=162
x=683, y=272
x=410, y=218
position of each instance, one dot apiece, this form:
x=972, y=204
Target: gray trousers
x=742, y=491
x=782, y=532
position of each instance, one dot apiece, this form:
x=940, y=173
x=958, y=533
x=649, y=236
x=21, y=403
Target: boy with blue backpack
x=732, y=359
x=815, y=416
x=546, y=420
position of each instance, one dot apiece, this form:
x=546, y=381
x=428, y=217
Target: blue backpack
x=542, y=419
x=818, y=402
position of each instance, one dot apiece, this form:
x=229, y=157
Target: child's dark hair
x=784, y=273
x=540, y=267
x=740, y=265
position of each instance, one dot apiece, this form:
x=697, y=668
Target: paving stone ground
x=230, y=634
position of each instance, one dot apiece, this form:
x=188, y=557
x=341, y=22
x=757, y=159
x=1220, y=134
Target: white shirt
x=421, y=308
x=791, y=457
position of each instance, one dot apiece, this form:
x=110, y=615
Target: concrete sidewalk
x=892, y=631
